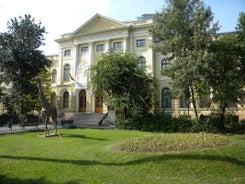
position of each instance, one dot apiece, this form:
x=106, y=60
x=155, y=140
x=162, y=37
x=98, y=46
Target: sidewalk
x=18, y=129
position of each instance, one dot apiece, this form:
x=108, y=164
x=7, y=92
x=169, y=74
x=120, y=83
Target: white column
x=125, y=44
x=107, y=46
x=75, y=61
x=60, y=68
x=90, y=54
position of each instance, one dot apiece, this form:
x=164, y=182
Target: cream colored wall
x=77, y=58
x=146, y=51
x=91, y=36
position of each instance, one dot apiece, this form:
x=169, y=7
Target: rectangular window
x=117, y=45
x=204, y=101
x=165, y=64
x=140, y=43
x=100, y=47
x=183, y=103
x=84, y=49
x=67, y=52
x=156, y=39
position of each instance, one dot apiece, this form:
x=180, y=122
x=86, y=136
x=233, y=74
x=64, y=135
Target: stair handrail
x=102, y=119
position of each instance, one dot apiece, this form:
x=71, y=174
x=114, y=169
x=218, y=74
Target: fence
x=17, y=129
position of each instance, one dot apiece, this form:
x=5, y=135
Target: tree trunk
x=194, y=102
x=222, y=116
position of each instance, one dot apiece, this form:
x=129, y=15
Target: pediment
x=98, y=23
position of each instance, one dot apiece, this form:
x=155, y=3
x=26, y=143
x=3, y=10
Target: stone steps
x=89, y=120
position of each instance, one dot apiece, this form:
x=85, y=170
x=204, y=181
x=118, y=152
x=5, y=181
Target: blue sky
x=60, y=17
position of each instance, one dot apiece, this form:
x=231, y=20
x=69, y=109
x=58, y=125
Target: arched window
x=66, y=99
x=54, y=76
x=166, y=100
x=67, y=69
x=141, y=62
x=165, y=64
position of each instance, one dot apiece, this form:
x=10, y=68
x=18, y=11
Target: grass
x=92, y=156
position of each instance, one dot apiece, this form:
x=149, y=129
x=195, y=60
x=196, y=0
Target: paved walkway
x=18, y=129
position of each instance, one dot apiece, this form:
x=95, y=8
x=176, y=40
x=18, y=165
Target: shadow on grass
x=41, y=180
x=5, y=179
x=160, y=158
x=82, y=137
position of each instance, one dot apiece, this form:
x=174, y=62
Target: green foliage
x=5, y=118
x=224, y=73
x=45, y=77
x=241, y=29
x=20, y=60
x=164, y=123
x=184, y=29
x=214, y=124
x=184, y=124
x=125, y=86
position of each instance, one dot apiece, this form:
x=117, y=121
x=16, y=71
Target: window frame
x=141, y=42
x=166, y=102
x=183, y=103
x=141, y=63
x=100, y=47
x=115, y=45
x=54, y=76
x=66, y=98
x=84, y=49
x=156, y=39
x=165, y=63
x=66, y=72
x=204, y=101
x=67, y=52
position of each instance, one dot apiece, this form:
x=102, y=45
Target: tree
x=185, y=31
x=225, y=69
x=241, y=38
x=127, y=88
x=20, y=59
x=33, y=98
x=224, y=72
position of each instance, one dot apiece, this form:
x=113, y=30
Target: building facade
x=83, y=48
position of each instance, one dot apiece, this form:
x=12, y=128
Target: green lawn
x=91, y=156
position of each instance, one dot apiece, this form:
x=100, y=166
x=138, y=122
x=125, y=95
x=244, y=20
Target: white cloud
x=57, y=16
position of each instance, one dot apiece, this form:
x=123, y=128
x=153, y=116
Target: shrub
x=206, y=124
x=183, y=124
x=4, y=118
x=127, y=124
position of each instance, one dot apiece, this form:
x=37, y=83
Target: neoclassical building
x=83, y=48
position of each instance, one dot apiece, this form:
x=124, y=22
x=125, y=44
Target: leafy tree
x=33, y=98
x=20, y=59
x=184, y=29
x=225, y=69
x=127, y=88
x=224, y=74
x=241, y=38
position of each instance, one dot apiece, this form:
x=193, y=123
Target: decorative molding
x=101, y=36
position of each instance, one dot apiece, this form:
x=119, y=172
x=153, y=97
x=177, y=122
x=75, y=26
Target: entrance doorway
x=98, y=104
x=82, y=101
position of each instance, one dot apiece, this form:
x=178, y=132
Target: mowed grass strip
x=92, y=156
